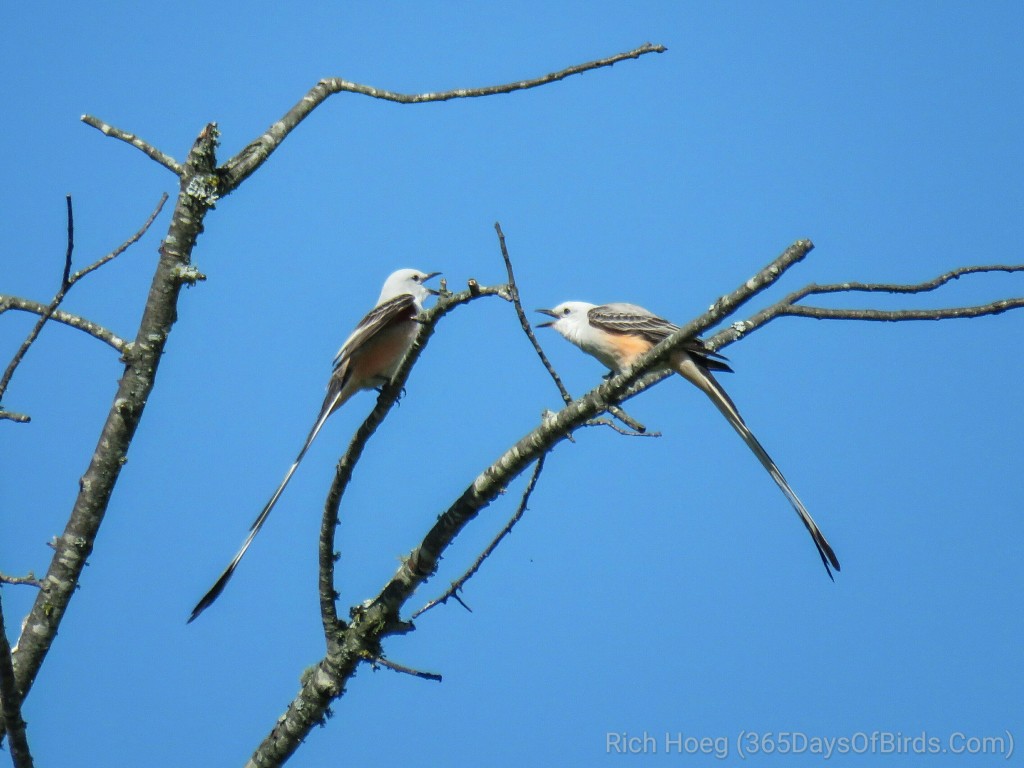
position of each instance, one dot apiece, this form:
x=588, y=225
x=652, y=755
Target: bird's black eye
x=416, y=278
x=565, y=311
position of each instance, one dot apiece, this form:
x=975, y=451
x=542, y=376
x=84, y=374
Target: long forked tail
x=706, y=382
x=331, y=403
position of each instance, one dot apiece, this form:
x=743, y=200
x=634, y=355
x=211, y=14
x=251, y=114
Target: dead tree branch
x=73, y=547
x=459, y=583
x=67, y=282
x=788, y=306
x=75, y=321
x=149, y=150
x=617, y=412
x=238, y=168
x=30, y=579
x=381, y=661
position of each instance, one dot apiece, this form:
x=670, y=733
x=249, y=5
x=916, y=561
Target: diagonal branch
x=74, y=546
x=524, y=322
x=238, y=168
x=130, y=138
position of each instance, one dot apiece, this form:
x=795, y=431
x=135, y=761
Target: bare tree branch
x=152, y=152
x=30, y=579
x=75, y=321
x=620, y=414
x=622, y=431
x=67, y=281
x=10, y=703
x=524, y=322
x=898, y=315
x=927, y=285
x=459, y=583
x=238, y=168
x=74, y=546
x=787, y=307
x=380, y=660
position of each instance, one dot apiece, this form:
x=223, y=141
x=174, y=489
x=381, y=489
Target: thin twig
x=242, y=165
x=380, y=660
x=927, y=285
x=627, y=432
x=123, y=246
x=617, y=412
x=523, y=321
x=787, y=307
x=10, y=703
x=459, y=583
x=67, y=281
x=152, y=152
x=899, y=315
x=30, y=579
x=65, y=278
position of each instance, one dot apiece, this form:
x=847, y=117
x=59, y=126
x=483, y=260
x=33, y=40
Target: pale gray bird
x=368, y=359
x=617, y=334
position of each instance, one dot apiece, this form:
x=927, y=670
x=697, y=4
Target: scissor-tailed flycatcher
x=617, y=334
x=368, y=359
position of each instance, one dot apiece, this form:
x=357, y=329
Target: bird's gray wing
x=630, y=318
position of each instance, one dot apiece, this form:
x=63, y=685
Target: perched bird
x=617, y=334
x=368, y=359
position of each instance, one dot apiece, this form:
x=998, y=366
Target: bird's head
x=409, y=281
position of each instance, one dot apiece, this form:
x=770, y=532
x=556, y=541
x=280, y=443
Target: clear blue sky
x=660, y=586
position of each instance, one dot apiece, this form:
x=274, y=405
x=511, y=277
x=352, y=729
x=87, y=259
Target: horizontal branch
x=899, y=315
x=130, y=138
x=396, y=667
x=787, y=307
x=30, y=579
x=242, y=165
x=924, y=287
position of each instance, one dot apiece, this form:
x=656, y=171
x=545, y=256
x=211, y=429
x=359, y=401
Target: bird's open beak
x=549, y=313
x=432, y=291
